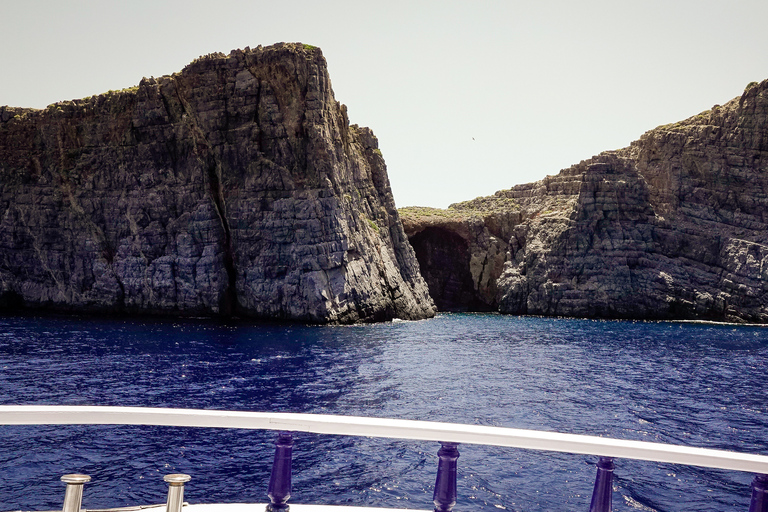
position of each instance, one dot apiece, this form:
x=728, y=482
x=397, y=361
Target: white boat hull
x=251, y=507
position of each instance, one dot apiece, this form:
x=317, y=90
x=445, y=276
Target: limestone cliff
x=673, y=227
x=236, y=186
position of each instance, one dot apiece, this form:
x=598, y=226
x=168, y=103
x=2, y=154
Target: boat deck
x=251, y=507
x=448, y=435
x=247, y=507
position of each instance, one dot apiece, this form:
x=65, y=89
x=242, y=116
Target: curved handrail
x=383, y=427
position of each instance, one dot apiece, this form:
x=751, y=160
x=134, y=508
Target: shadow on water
x=692, y=384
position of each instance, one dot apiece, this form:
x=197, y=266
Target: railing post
x=603, y=493
x=280, y=482
x=175, y=491
x=73, y=496
x=445, y=483
x=759, y=501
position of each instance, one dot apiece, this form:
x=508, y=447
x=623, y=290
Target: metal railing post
x=603, y=493
x=73, y=496
x=759, y=502
x=444, y=497
x=280, y=481
x=175, y=491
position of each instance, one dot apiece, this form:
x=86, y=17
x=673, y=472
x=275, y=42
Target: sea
x=692, y=384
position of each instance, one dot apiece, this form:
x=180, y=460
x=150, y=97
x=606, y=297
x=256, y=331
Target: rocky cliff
x=673, y=227
x=236, y=186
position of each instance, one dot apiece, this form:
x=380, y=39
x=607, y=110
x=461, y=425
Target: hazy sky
x=466, y=98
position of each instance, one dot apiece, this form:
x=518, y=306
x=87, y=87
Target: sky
x=465, y=97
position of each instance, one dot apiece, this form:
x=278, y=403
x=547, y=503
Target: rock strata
x=673, y=227
x=235, y=187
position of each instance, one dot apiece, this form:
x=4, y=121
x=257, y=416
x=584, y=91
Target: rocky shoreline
x=235, y=187
x=674, y=226
x=238, y=188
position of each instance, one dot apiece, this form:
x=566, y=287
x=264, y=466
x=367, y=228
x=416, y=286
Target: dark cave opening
x=444, y=262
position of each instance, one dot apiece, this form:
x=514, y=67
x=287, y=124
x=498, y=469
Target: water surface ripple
x=692, y=384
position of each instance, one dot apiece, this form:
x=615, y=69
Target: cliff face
x=234, y=187
x=674, y=226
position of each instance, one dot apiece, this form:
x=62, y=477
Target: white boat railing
x=448, y=434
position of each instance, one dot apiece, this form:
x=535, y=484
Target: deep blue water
x=693, y=384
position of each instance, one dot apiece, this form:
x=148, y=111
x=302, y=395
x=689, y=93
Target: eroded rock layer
x=673, y=227
x=234, y=187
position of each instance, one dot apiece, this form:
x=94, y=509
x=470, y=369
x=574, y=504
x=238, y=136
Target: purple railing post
x=603, y=492
x=445, y=483
x=280, y=482
x=759, y=501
